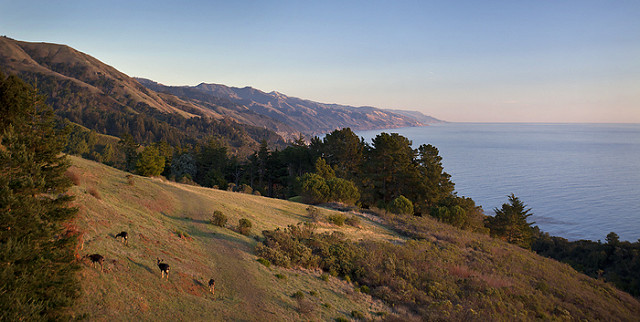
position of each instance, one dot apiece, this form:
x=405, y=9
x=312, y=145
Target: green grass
x=155, y=212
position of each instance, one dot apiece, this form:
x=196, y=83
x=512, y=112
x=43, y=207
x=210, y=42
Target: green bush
x=324, y=277
x=264, y=262
x=353, y=221
x=245, y=188
x=337, y=219
x=401, y=206
x=219, y=219
x=181, y=233
x=244, y=226
x=314, y=188
x=298, y=295
x=365, y=289
x=281, y=276
x=343, y=190
x=357, y=315
x=341, y=319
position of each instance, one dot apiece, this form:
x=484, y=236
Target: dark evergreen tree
x=510, y=223
x=150, y=163
x=37, y=276
x=389, y=167
x=343, y=150
x=431, y=183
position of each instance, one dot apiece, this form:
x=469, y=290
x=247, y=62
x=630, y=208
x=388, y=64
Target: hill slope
x=302, y=115
x=152, y=211
x=93, y=94
x=156, y=212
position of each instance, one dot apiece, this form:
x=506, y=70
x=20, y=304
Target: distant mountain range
x=80, y=87
x=302, y=115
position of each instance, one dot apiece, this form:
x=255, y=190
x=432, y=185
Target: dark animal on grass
x=212, y=285
x=95, y=258
x=124, y=235
x=164, y=268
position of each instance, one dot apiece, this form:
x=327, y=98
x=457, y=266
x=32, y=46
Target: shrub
x=327, y=305
x=341, y=319
x=324, y=277
x=281, y=276
x=305, y=306
x=94, y=192
x=353, y=221
x=256, y=193
x=314, y=213
x=245, y=188
x=219, y=219
x=314, y=188
x=401, y=205
x=337, y=219
x=181, y=234
x=343, y=190
x=313, y=293
x=365, y=289
x=357, y=315
x=130, y=179
x=244, y=226
x=298, y=295
x=264, y=262
x=73, y=176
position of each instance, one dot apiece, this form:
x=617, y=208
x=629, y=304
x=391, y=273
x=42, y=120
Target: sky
x=460, y=61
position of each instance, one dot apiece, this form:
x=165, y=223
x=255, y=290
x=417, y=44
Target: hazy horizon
x=495, y=62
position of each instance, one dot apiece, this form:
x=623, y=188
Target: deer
x=124, y=236
x=95, y=258
x=212, y=284
x=164, y=268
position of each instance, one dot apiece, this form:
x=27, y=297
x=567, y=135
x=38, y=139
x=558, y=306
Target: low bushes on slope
x=452, y=274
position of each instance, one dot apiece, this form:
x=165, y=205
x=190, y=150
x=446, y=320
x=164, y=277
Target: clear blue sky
x=475, y=61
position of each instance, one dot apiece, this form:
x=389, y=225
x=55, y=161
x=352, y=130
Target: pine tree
x=510, y=223
x=37, y=275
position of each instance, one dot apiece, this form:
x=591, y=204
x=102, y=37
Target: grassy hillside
x=154, y=212
x=465, y=275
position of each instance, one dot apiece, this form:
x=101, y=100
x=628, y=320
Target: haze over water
x=581, y=181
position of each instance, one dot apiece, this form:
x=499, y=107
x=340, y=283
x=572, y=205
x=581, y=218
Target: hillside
x=471, y=275
x=302, y=115
x=152, y=210
x=91, y=93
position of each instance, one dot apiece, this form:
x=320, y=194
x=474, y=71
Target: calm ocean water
x=581, y=181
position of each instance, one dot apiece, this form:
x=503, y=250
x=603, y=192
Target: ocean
x=581, y=181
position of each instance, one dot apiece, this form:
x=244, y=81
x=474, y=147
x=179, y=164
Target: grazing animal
x=124, y=236
x=95, y=258
x=212, y=285
x=164, y=268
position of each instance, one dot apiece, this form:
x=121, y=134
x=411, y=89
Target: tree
x=510, y=223
x=324, y=170
x=343, y=190
x=150, y=163
x=431, y=183
x=37, y=275
x=390, y=167
x=314, y=188
x=343, y=150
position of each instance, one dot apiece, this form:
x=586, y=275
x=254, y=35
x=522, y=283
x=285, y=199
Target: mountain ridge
x=81, y=87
